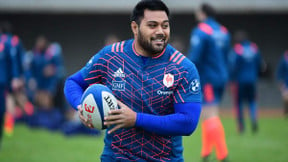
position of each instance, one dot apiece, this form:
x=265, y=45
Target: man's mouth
x=158, y=41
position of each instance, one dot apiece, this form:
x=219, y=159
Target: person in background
x=46, y=69
x=10, y=76
x=282, y=78
x=209, y=48
x=246, y=65
x=55, y=50
x=16, y=100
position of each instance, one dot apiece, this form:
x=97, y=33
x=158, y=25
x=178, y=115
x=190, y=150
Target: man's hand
x=82, y=118
x=49, y=70
x=121, y=118
x=16, y=84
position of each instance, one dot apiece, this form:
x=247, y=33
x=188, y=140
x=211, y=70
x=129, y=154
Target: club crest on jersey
x=195, y=86
x=168, y=80
x=1, y=47
x=118, y=85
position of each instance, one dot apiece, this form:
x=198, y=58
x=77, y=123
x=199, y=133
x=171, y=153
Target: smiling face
x=152, y=34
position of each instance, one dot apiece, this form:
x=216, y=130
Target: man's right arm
x=74, y=87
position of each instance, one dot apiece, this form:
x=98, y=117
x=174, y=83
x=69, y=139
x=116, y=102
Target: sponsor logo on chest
x=118, y=85
x=119, y=73
x=168, y=81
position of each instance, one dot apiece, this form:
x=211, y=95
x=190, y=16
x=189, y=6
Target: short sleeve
x=189, y=88
x=94, y=69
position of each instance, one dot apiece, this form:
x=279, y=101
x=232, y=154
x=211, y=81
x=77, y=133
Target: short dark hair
x=153, y=5
x=208, y=10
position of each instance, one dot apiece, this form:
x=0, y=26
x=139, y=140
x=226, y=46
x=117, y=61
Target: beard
x=149, y=47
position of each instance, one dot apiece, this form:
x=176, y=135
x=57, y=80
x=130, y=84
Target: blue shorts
x=212, y=94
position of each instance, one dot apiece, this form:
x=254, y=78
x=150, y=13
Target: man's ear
x=134, y=28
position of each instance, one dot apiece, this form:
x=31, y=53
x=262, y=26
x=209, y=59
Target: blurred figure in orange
x=16, y=100
x=209, y=47
x=10, y=75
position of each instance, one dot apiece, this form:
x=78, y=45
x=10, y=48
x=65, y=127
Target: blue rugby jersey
x=16, y=50
x=55, y=50
x=4, y=64
x=246, y=62
x=40, y=60
x=282, y=69
x=149, y=85
x=8, y=62
x=209, y=47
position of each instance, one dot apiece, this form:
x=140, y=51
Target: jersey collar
x=137, y=54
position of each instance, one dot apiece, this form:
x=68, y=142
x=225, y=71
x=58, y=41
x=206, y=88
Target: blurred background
x=83, y=27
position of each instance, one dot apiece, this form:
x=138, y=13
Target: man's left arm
x=187, y=108
x=183, y=122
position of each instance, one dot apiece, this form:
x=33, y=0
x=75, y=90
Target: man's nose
x=160, y=30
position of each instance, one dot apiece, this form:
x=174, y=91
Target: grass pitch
x=270, y=144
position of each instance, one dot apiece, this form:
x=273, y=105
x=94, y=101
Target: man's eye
x=165, y=26
x=152, y=25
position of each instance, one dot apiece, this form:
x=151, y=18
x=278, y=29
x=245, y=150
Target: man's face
x=41, y=43
x=153, y=31
x=200, y=16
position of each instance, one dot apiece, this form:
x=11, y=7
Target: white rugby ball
x=97, y=100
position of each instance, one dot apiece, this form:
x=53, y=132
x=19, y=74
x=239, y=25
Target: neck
x=139, y=50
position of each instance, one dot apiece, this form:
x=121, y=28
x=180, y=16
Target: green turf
x=26, y=145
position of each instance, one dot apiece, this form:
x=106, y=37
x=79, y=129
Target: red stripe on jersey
x=180, y=96
x=208, y=93
x=238, y=49
x=92, y=78
x=122, y=46
x=181, y=59
x=160, y=54
x=177, y=57
x=205, y=28
x=183, y=88
x=112, y=50
x=185, y=78
x=254, y=47
x=4, y=38
x=14, y=41
x=286, y=55
x=1, y=47
x=117, y=47
x=173, y=55
x=94, y=71
x=224, y=29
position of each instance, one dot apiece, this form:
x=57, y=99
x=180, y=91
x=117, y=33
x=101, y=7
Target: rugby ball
x=97, y=100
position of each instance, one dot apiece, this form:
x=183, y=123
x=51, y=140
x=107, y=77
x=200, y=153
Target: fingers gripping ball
x=96, y=102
